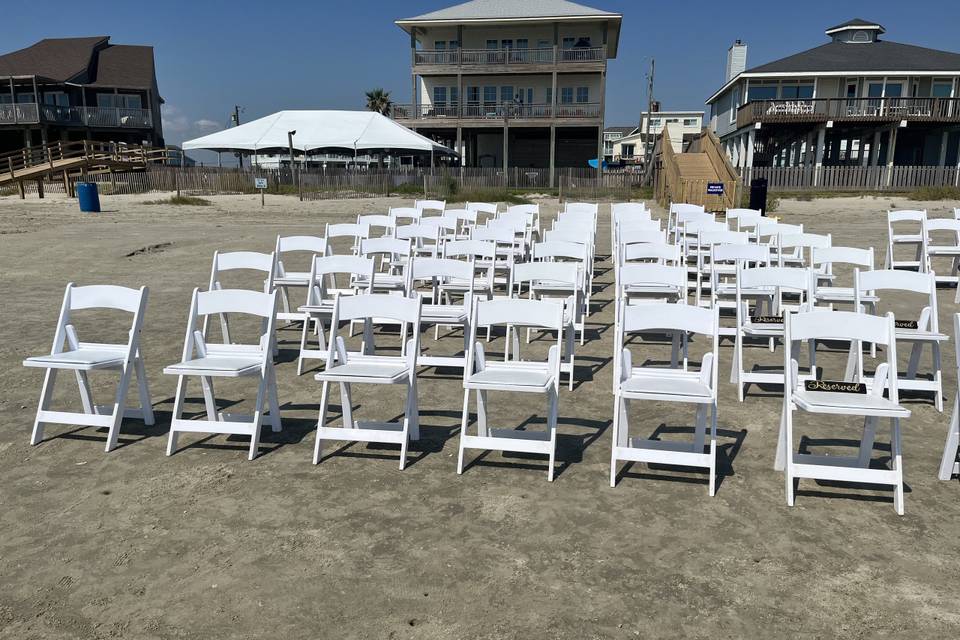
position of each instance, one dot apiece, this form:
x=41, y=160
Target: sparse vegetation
x=935, y=193
x=181, y=200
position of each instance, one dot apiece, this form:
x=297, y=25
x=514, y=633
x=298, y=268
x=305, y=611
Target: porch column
x=864, y=157
x=944, y=141
x=751, y=137
x=553, y=153
x=603, y=82
x=821, y=144
x=875, y=149
x=798, y=153
x=460, y=145
x=891, y=153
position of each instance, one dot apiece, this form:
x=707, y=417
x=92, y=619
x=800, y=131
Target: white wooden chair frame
x=266, y=263
x=949, y=465
x=933, y=249
x=286, y=279
x=515, y=376
x=676, y=384
x=856, y=328
x=211, y=360
x=438, y=307
x=68, y=353
x=365, y=367
x=895, y=239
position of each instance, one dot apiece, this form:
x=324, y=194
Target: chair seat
x=216, y=365
x=368, y=368
x=443, y=312
x=841, y=294
x=293, y=278
x=907, y=239
x=686, y=387
x=855, y=404
x=512, y=375
x=83, y=359
x=920, y=335
x=459, y=284
x=763, y=330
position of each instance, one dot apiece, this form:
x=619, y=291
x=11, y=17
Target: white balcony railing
x=492, y=111
x=107, y=117
x=507, y=57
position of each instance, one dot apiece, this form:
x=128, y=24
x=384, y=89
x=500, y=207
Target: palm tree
x=379, y=100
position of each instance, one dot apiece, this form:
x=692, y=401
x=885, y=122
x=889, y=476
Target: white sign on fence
x=260, y=183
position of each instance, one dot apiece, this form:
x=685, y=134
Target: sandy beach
x=202, y=544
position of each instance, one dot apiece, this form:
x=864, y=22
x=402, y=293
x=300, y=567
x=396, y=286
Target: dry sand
x=205, y=544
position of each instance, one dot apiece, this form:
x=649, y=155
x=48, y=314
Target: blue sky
x=211, y=55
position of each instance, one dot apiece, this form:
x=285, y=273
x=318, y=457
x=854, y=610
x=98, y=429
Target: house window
x=57, y=98
x=941, y=88
x=440, y=45
x=506, y=94
x=734, y=104
x=875, y=90
x=506, y=44
x=566, y=95
x=860, y=36
x=626, y=150
x=762, y=92
x=796, y=91
x=492, y=44
x=655, y=122
x=454, y=96
x=439, y=96
x=523, y=43
x=489, y=95
x=549, y=95
x=583, y=94
x=473, y=95
x=119, y=100
x=569, y=42
x=544, y=44
x=689, y=122
x=894, y=90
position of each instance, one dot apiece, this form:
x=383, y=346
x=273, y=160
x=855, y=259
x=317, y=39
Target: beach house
x=858, y=100
x=511, y=84
x=79, y=89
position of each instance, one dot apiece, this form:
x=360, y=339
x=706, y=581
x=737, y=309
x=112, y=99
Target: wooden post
x=66, y=184
x=23, y=193
x=40, y=188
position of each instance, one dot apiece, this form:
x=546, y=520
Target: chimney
x=736, y=60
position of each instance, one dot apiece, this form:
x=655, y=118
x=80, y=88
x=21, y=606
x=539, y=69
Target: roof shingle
x=873, y=56
x=508, y=9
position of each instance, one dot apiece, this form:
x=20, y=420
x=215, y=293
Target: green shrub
x=935, y=193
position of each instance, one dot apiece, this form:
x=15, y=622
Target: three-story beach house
x=511, y=84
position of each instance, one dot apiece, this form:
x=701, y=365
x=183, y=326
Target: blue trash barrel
x=88, y=196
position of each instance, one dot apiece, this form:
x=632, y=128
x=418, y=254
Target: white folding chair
x=542, y=377
x=674, y=384
x=424, y=236
x=438, y=306
x=208, y=360
x=431, y=205
x=354, y=230
x=823, y=260
x=723, y=269
x=486, y=208
x=766, y=286
x=564, y=251
x=68, y=353
x=265, y=263
x=321, y=296
x=384, y=222
x=743, y=219
x=366, y=367
x=681, y=216
x=504, y=238
x=702, y=250
x=917, y=331
x=941, y=239
x=581, y=207
x=406, y=215
x=464, y=222
x=897, y=238
x=625, y=213
x=844, y=398
x=796, y=249
x=559, y=282
x=286, y=277
x=388, y=253
x=949, y=465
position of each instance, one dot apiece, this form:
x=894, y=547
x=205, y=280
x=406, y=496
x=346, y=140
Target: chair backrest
x=620, y=210
x=710, y=238
x=431, y=205
x=101, y=296
x=347, y=230
x=438, y=269
x=659, y=253
x=923, y=283
x=631, y=235
x=824, y=258
x=553, y=249
x=323, y=274
x=251, y=260
x=581, y=207
x=557, y=274
x=405, y=213
x=311, y=244
x=517, y=311
x=386, y=248
x=500, y=234
x=654, y=275
x=915, y=217
x=745, y=218
x=461, y=215
x=378, y=221
x=224, y=302
x=569, y=234
x=676, y=208
x=739, y=253
x=483, y=207
x=789, y=240
x=789, y=278
x=420, y=231
x=482, y=249
x=524, y=208
x=624, y=224
x=664, y=316
x=371, y=309
x=933, y=225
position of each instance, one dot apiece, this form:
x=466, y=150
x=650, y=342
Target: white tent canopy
x=354, y=130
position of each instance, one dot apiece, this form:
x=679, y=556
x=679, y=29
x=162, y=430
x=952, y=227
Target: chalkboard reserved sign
x=766, y=320
x=835, y=386
x=905, y=324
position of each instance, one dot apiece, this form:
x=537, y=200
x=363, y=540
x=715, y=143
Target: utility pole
x=235, y=119
x=647, y=147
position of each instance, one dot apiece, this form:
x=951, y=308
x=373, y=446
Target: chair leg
x=482, y=414
x=412, y=409
x=346, y=405
x=119, y=405
x=937, y=376
x=896, y=451
x=616, y=439
x=321, y=421
x=177, y=414
x=143, y=392
x=463, y=428
x=303, y=344
x=272, y=399
x=783, y=447
x=209, y=398
x=86, y=395
x=46, y=393
x=552, y=426
x=713, y=450
x=914, y=363
x=866, y=442
x=949, y=458
x=258, y=416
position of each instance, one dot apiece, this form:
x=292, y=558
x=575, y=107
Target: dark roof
x=856, y=22
x=125, y=66
x=624, y=130
x=59, y=59
x=868, y=56
x=93, y=61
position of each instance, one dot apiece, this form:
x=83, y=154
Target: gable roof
x=59, y=59
x=511, y=10
x=125, y=66
x=624, y=130
x=868, y=56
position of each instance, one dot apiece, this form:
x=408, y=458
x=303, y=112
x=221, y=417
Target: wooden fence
x=853, y=178
x=341, y=183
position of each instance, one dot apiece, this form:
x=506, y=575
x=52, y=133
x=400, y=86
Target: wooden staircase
x=71, y=160
x=684, y=176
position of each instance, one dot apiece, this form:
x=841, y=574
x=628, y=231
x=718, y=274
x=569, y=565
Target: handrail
x=524, y=56
x=91, y=151
x=868, y=109
x=495, y=111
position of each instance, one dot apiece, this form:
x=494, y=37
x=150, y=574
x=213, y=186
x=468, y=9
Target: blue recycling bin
x=88, y=196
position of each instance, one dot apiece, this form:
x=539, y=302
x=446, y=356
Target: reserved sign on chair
x=905, y=324
x=835, y=386
x=766, y=320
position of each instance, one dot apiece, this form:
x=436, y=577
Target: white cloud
x=173, y=120
x=205, y=123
